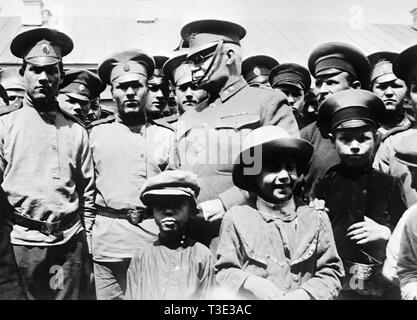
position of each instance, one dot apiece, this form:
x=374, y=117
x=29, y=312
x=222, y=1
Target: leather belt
x=45, y=227
x=134, y=216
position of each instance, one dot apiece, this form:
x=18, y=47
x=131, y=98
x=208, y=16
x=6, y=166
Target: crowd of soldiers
x=210, y=176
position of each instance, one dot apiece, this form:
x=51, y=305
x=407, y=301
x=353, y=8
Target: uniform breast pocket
x=231, y=131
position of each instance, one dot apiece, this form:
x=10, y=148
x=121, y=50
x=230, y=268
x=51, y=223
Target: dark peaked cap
x=381, y=65
x=82, y=84
x=350, y=108
x=342, y=56
x=201, y=32
x=405, y=65
x=41, y=46
x=290, y=74
x=126, y=66
x=257, y=66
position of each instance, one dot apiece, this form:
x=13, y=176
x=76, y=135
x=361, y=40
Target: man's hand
x=262, y=288
x=368, y=231
x=212, y=209
x=318, y=204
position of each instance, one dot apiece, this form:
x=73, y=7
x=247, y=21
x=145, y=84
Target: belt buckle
x=135, y=216
x=49, y=228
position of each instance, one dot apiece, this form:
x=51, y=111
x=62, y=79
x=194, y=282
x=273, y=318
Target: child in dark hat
x=364, y=204
x=276, y=247
x=174, y=266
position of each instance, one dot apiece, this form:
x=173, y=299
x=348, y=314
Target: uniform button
x=231, y=89
x=296, y=277
x=199, y=149
x=204, y=124
x=53, y=147
x=264, y=276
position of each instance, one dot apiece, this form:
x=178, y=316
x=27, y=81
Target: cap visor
x=356, y=123
x=203, y=47
x=128, y=77
x=386, y=78
x=43, y=61
x=77, y=96
x=289, y=83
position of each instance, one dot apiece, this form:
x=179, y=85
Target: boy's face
x=171, y=214
x=277, y=178
x=355, y=145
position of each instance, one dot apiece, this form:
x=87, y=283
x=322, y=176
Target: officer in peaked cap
x=256, y=70
x=79, y=88
x=159, y=88
x=392, y=91
x=128, y=148
x=350, y=109
x=12, y=81
x=336, y=67
x=41, y=46
x=333, y=58
x=404, y=67
x=178, y=71
x=232, y=111
x=126, y=66
x=295, y=81
x=52, y=194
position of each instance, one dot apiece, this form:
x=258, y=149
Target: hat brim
x=128, y=77
x=244, y=174
x=43, y=61
x=151, y=196
x=77, y=96
x=385, y=78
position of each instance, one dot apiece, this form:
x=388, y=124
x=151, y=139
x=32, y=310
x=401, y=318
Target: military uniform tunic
x=46, y=168
x=209, y=137
x=124, y=158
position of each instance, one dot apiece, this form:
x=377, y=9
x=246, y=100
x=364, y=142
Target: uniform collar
x=232, y=88
x=271, y=211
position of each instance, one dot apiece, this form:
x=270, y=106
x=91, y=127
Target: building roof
x=96, y=37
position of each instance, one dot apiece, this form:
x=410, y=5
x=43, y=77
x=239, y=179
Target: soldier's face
x=392, y=93
x=95, y=109
x=188, y=96
x=171, y=214
x=157, y=99
x=76, y=107
x=355, y=145
x=277, y=178
x=130, y=96
x=326, y=85
x=209, y=70
x=42, y=82
x=295, y=97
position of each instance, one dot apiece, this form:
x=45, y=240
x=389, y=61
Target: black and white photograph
x=209, y=154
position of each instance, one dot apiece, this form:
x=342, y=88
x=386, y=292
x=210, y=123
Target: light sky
x=370, y=11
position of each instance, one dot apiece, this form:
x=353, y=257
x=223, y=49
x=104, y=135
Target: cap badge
x=126, y=67
x=257, y=71
x=82, y=88
x=45, y=48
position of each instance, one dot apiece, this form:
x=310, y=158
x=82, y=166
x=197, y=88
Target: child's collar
x=285, y=211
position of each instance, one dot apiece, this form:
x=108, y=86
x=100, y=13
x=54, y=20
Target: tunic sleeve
x=86, y=184
x=230, y=256
x=276, y=112
x=325, y=284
